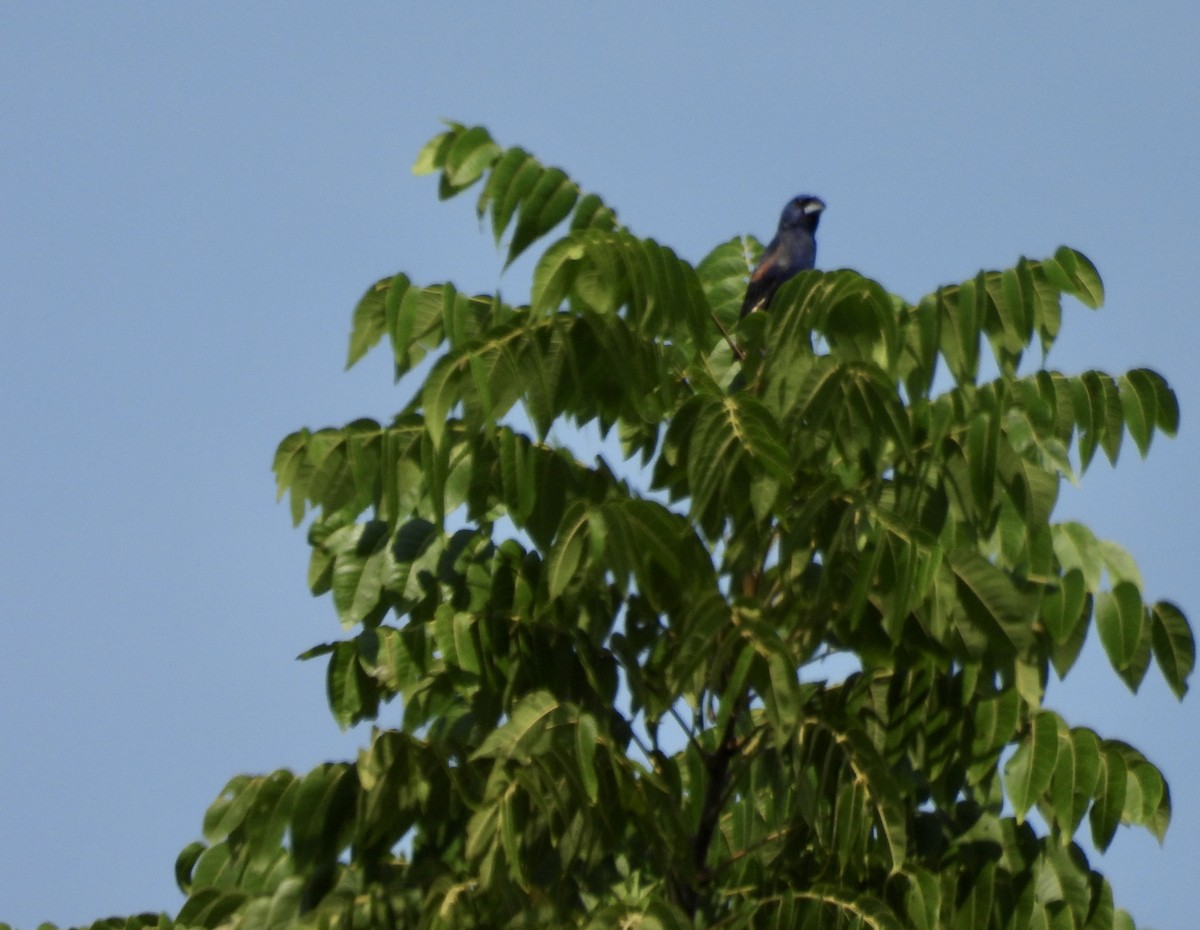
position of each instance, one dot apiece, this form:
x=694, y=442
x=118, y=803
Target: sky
x=194, y=196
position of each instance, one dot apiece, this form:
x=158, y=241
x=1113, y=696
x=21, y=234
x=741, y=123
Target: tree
x=612, y=701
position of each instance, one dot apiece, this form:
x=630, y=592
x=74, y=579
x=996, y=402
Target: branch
x=738, y=352
x=715, y=796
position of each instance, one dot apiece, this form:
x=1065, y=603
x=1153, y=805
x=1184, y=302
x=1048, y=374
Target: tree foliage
x=602, y=694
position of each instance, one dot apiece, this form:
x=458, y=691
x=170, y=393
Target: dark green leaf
x=1088, y=769
x=1174, y=646
x=512, y=177
x=1109, y=804
x=547, y=204
x=1139, y=401
x=323, y=815
x=352, y=694
x=587, y=737
x=565, y=558
x=1079, y=275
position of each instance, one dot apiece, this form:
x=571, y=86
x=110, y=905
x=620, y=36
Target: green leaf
x=352, y=694
x=362, y=563
x=209, y=907
x=991, y=602
x=1139, y=402
x=856, y=316
x=1109, y=802
x=922, y=898
x=758, y=433
x=995, y=722
x=587, y=737
x=510, y=819
x=441, y=393
x=566, y=556
x=1089, y=768
x=611, y=271
x=1114, y=420
x=512, y=177
x=391, y=780
x=1013, y=302
x=185, y=863
x=456, y=635
x=547, y=204
x=472, y=153
x=1062, y=607
x=1029, y=772
x=1174, y=646
x=593, y=213
x=884, y=792
x=983, y=438
x=961, y=312
x=433, y=154
x=554, y=275
x=290, y=460
x=1076, y=547
x=734, y=439
x=1135, y=672
x=370, y=320
x=1119, y=564
x=722, y=273
x=278, y=911
x=1078, y=274
x=1168, y=405
x=1147, y=801
x=1119, y=619
x=528, y=731
x=323, y=816
x=413, y=317
x=974, y=897
x=416, y=548
x=1063, y=788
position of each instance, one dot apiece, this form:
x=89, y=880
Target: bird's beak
x=814, y=206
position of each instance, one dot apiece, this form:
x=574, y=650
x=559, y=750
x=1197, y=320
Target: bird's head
x=802, y=212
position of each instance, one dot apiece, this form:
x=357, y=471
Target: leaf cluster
x=612, y=702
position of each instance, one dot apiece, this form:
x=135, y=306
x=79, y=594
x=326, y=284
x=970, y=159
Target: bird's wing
x=765, y=279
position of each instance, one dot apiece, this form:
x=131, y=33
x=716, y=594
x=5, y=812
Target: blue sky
x=193, y=197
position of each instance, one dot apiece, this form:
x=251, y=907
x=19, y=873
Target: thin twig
x=737, y=350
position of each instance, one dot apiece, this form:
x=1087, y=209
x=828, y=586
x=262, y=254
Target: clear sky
x=193, y=197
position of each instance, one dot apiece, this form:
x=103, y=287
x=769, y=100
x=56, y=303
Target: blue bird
x=794, y=249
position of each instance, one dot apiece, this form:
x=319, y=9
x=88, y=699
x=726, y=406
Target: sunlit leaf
x=1028, y=773
x=1119, y=619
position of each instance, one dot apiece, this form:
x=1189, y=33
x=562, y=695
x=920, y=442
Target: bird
x=794, y=249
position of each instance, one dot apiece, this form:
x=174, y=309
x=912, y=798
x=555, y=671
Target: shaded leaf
x=1174, y=646
x=1109, y=802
